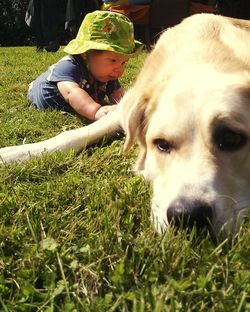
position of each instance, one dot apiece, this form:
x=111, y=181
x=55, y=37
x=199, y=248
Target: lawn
x=75, y=231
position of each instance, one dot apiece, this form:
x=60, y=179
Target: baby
x=81, y=81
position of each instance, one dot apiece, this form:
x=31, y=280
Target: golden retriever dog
x=189, y=111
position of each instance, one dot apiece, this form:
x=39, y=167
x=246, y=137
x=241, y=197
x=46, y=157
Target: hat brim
x=73, y=47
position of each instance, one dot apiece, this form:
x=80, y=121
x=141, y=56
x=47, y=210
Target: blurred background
x=47, y=24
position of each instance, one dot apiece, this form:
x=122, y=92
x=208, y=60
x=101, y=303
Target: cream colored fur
x=195, y=81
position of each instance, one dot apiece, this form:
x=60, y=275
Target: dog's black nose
x=186, y=214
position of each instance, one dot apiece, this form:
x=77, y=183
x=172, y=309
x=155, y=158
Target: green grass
x=75, y=232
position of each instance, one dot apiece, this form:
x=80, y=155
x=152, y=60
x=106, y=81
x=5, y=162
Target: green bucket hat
x=107, y=31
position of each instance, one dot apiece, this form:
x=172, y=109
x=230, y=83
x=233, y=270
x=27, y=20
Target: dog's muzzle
x=186, y=214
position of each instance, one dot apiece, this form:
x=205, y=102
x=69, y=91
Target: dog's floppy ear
x=134, y=123
x=132, y=117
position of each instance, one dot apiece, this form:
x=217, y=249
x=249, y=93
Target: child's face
x=105, y=65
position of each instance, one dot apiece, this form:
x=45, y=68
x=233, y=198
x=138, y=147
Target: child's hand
x=104, y=110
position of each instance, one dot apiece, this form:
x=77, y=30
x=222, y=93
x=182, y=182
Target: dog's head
x=193, y=130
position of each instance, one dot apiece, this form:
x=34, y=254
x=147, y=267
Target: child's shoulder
x=71, y=61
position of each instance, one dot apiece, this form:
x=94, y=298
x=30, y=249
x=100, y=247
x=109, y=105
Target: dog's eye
x=228, y=140
x=163, y=145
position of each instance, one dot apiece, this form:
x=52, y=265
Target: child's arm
x=78, y=99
